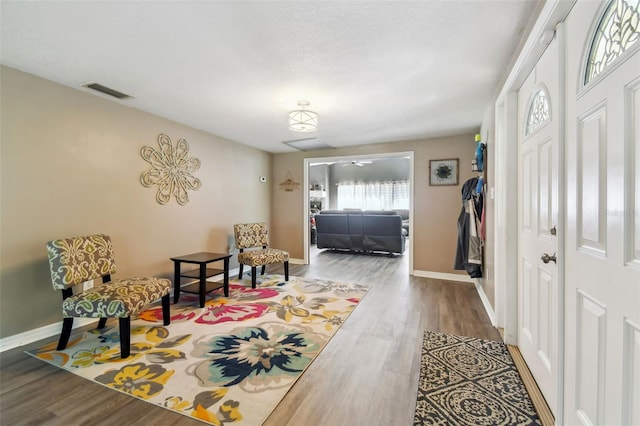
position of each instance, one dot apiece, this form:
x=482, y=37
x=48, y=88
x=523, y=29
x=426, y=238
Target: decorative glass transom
x=618, y=30
x=539, y=113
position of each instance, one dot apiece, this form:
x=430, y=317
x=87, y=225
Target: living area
x=360, y=205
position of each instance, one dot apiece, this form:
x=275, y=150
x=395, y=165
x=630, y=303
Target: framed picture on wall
x=443, y=172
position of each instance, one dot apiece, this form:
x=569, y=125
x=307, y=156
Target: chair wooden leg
x=67, y=325
x=240, y=271
x=263, y=268
x=253, y=276
x=166, y=309
x=125, y=337
x=102, y=323
x=286, y=271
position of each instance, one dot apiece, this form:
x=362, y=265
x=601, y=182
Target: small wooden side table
x=203, y=286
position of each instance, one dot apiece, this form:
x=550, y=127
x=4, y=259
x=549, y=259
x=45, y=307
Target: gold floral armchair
x=252, y=235
x=75, y=260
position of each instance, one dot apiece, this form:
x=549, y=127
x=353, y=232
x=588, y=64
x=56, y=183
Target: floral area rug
x=468, y=381
x=230, y=362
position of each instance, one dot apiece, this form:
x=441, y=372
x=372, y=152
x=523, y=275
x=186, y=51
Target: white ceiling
x=374, y=71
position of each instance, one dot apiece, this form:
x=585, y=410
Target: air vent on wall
x=107, y=91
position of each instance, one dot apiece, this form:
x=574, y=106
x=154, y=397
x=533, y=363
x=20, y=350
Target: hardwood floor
x=366, y=375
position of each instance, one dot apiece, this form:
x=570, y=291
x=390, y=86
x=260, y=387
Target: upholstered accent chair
x=250, y=236
x=75, y=260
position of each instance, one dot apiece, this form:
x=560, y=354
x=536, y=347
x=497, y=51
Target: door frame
x=308, y=161
x=506, y=165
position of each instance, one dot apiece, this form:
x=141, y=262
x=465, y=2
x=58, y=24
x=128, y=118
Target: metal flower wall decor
x=171, y=170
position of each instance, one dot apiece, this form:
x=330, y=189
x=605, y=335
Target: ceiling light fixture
x=302, y=120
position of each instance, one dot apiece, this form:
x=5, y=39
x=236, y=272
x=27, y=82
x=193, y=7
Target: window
x=618, y=30
x=373, y=195
x=539, y=112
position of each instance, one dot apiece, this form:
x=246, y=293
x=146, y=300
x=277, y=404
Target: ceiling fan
x=357, y=163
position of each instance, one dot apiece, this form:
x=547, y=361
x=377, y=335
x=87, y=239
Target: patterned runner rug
x=467, y=381
x=230, y=362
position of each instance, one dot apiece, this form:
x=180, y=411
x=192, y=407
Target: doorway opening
x=321, y=194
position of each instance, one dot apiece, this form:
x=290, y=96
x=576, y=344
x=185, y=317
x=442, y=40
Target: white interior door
x=602, y=246
x=539, y=291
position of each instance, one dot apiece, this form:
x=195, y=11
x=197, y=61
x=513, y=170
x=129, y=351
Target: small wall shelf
x=317, y=194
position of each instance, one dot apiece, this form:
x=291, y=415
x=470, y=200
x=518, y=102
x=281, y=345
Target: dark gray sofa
x=404, y=214
x=366, y=231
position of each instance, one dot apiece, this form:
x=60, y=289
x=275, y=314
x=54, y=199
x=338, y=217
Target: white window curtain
x=373, y=195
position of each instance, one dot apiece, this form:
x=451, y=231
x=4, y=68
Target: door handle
x=546, y=258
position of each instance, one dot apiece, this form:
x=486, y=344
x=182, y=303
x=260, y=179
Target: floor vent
x=107, y=90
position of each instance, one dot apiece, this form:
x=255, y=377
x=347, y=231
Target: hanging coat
x=469, y=250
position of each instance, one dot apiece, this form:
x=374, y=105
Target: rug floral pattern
x=230, y=362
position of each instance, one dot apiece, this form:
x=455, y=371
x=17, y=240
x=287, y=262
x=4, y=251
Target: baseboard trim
x=44, y=332
x=485, y=302
x=443, y=276
x=296, y=261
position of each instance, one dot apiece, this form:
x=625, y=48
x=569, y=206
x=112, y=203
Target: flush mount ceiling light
x=302, y=120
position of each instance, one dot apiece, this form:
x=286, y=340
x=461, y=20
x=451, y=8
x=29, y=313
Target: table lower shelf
x=195, y=287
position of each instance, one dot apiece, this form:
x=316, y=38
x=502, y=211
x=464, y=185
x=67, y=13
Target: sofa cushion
x=383, y=233
x=382, y=225
x=332, y=231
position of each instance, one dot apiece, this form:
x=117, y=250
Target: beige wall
x=436, y=208
x=70, y=165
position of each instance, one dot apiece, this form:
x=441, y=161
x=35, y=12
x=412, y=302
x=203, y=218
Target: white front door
x=602, y=246
x=539, y=292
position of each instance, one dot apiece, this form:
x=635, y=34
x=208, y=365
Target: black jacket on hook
x=469, y=251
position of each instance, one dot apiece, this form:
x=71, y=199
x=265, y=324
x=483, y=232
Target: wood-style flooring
x=366, y=375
